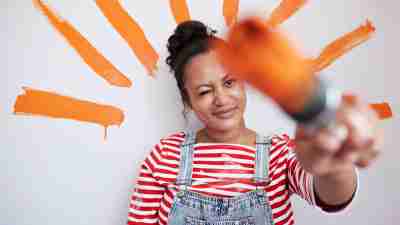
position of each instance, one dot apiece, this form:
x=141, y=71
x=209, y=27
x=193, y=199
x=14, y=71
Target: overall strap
x=184, y=177
x=263, y=145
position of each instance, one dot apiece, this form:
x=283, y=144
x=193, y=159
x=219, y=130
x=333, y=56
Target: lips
x=225, y=113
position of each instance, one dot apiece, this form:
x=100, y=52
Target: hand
x=353, y=139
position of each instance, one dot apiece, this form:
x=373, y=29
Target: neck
x=237, y=135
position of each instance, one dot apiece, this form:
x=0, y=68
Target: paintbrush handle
x=321, y=108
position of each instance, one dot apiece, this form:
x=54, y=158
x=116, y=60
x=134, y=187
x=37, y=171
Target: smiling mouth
x=226, y=113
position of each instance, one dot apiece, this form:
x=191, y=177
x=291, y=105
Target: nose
x=221, y=97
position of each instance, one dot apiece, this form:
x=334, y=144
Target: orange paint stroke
x=342, y=45
x=230, y=11
x=180, y=10
x=88, y=53
x=44, y=103
x=131, y=32
x=383, y=110
x=285, y=10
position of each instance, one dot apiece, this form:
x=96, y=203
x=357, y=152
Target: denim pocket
x=172, y=211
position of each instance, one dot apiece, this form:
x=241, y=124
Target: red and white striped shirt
x=221, y=170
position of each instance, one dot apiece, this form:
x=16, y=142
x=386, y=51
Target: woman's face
x=217, y=98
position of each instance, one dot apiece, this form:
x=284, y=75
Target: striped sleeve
x=147, y=194
x=300, y=181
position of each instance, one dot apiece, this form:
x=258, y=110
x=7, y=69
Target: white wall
x=64, y=172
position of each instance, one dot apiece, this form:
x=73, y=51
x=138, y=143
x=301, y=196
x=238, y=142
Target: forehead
x=204, y=68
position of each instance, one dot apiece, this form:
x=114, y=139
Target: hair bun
x=185, y=34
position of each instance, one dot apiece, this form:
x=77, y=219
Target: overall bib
x=192, y=208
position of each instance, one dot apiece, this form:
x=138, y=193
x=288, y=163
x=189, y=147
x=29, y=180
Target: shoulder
x=282, y=138
x=281, y=145
x=174, y=139
x=171, y=143
x=166, y=152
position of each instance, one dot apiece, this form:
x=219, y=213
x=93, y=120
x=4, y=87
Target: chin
x=226, y=125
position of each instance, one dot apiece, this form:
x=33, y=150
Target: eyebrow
x=203, y=85
x=226, y=76
x=209, y=85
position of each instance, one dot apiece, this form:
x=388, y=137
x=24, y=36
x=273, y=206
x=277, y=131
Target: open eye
x=229, y=83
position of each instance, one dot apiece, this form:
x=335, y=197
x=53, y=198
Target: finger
x=359, y=126
x=331, y=138
x=349, y=155
x=313, y=160
x=369, y=155
x=362, y=123
x=367, y=158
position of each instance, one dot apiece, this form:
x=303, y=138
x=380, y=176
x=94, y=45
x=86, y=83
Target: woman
x=226, y=173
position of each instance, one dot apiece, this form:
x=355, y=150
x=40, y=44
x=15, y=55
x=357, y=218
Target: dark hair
x=189, y=39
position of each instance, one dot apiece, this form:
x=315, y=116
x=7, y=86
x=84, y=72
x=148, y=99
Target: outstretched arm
x=332, y=153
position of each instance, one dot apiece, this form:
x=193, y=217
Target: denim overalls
x=192, y=208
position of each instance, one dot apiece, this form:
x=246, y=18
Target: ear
x=187, y=106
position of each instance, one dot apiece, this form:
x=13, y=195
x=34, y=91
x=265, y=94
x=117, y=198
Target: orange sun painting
x=52, y=105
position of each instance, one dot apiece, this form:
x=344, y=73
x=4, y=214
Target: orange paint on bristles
x=131, y=32
x=285, y=10
x=383, y=110
x=264, y=57
x=230, y=11
x=47, y=104
x=88, y=53
x=342, y=45
x=179, y=10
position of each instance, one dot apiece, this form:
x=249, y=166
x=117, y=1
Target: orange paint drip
x=180, y=10
x=43, y=103
x=265, y=58
x=285, y=10
x=383, y=110
x=343, y=45
x=88, y=53
x=230, y=11
x=131, y=32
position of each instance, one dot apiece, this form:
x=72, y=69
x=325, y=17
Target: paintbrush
x=264, y=56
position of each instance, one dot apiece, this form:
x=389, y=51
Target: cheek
x=203, y=113
x=201, y=106
x=239, y=93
